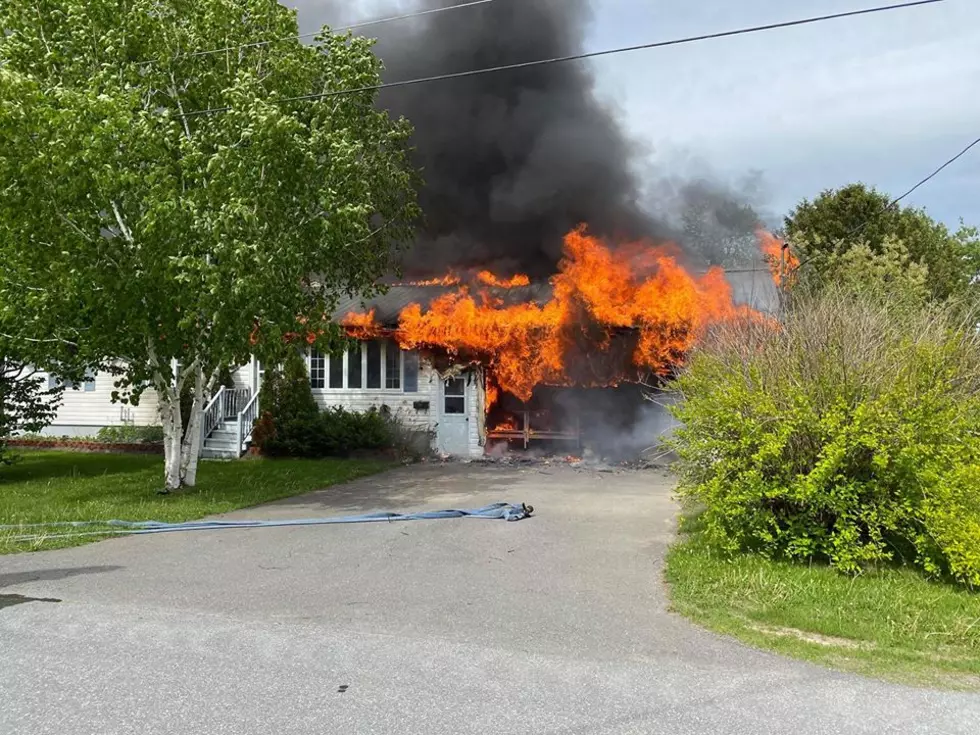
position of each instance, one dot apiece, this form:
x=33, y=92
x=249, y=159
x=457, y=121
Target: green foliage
x=286, y=392
x=889, y=275
x=848, y=433
x=335, y=432
x=340, y=432
x=27, y=405
x=292, y=424
x=140, y=230
x=130, y=434
x=856, y=217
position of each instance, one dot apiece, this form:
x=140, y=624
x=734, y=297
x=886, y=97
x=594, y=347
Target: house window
x=88, y=384
x=354, y=368
x=337, y=370
x=455, y=396
x=373, y=365
x=393, y=366
x=411, y=361
x=318, y=369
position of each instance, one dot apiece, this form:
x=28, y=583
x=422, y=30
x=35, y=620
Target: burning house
x=565, y=361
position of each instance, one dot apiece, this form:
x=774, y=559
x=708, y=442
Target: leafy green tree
x=823, y=230
x=27, y=403
x=175, y=207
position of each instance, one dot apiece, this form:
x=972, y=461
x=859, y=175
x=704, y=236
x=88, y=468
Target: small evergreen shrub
x=289, y=410
x=848, y=434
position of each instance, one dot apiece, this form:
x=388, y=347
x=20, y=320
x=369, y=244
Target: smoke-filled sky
x=883, y=99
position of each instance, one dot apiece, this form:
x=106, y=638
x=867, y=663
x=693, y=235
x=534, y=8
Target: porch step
x=213, y=453
x=223, y=442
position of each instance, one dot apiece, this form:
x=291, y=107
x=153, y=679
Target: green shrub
x=129, y=434
x=846, y=434
x=335, y=432
x=288, y=410
x=292, y=424
x=341, y=432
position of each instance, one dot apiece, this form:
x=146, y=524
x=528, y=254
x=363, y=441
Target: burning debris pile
x=613, y=314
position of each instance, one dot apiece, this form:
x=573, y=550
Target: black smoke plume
x=513, y=160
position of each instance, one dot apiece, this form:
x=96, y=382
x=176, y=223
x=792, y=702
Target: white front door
x=453, y=432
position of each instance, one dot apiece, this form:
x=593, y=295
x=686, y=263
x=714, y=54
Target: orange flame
x=361, y=326
x=782, y=262
x=488, y=278
x=639, y=289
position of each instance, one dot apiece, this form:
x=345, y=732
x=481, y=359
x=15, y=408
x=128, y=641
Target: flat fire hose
x=495, y=511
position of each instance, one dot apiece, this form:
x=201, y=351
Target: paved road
x=557, y=624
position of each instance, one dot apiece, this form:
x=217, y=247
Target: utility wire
x=363, y=24
x=891, y=205
x=590, y=55
x=938, y=171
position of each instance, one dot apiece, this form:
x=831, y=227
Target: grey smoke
x=511, y=160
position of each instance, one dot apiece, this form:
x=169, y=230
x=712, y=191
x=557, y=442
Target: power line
x=938, y=171
x=891, y=205
x=301, y=36
x=926, y=180
x=590, y=55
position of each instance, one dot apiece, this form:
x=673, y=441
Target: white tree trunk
x=182, y=448
x=170, y=415
x=191, y=447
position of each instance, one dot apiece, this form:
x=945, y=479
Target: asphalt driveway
x=557, y=624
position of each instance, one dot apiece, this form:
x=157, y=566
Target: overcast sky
x=882, y=99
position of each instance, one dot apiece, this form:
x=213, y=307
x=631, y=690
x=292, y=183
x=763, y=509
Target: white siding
x=84, y=412
x=243, y=376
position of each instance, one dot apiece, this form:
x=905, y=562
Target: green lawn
x=891, y=623
x=69, y=486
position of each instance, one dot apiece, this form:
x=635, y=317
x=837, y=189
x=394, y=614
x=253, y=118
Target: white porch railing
x=213, y=414
x=227, y=404
x=235, y=399
x=246, y=421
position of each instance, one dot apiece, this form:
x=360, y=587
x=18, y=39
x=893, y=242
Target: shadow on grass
x=38, y=466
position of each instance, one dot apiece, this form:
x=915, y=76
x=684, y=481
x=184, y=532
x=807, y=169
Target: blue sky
x=882, y=99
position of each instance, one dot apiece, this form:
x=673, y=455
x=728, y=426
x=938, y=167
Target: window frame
x=344, y=356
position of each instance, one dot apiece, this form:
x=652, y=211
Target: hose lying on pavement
x=495, y=511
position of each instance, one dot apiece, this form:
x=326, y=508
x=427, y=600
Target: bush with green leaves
x=130, y=434
x=846, y=433
x=288, y=409
x=292, y=424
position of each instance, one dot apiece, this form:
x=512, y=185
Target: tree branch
x=68, y=221
x=180, y=106
x=56, y=340
x=126, y=232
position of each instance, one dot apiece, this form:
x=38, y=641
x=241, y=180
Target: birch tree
x=170, y=204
